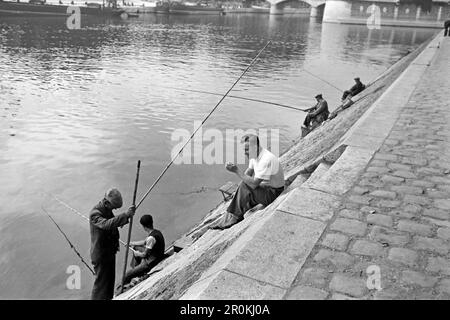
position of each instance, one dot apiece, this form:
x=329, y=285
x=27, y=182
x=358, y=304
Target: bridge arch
x=317, y=6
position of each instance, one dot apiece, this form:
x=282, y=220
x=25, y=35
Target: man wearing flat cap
x=318, y=113
x=357, y=88
x=105, y=242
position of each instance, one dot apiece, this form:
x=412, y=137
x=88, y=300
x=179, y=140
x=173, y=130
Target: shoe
x=227, y=221
x=259, y=206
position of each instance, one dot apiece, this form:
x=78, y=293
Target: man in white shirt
x=261, y=184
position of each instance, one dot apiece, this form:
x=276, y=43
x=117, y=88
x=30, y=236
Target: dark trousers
x=346, y=93
x=308, y=119
x=246, y=198
x=105, y=273
x=318, y=118
x=140, y=267
x=447, y=31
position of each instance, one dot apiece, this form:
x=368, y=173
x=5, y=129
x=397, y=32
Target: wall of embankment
x=260, y=257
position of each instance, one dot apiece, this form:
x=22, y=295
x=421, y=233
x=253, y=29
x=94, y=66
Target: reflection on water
x=79, y=108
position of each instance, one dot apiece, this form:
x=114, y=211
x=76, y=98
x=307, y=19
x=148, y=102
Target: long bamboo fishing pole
x=130, y=226
x=70, y=243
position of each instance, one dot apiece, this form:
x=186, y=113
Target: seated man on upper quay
x=357, y=88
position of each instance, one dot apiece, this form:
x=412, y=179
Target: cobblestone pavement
x=397, y=216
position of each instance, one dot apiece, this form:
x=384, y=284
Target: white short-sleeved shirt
x=268, y=168
x=150, y=242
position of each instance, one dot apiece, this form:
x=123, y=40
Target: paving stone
x=407, y=190
x=380, y=219
x=360, y=190
x=422, y=200
x=392, y=179
x=404, y=174
x=339, y=296
x=412, y=208
x=439, y=179
x=390, y=237
x=336, y=241
x=444, y=286
x=442, y=204
x=423, y=183
x=430, y=244
x=339, y=259
x=379, y=170
x=440, y=223
x=436, y=213
x=369, y=209
x=425, y=170
x=405, y=256
x=359, y=199
x=384, y=194
x=444, y=187
x=387, y=294
x=437, y=194
x=385, y=156
x=444, y=233
x=386, y=203
x=399, y=166
x=306, y=293
x=439, y=265
x=400, y=214
x=351, y=214
x=350, y=226
x=352, y=286
x=315, y=276
x=417, y=278
x=378, y=163
x=371, y=183
x=414, y=227
x=367, y=248
x=414, y=161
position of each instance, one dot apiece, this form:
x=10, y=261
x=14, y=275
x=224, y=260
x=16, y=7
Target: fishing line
x=316, y=76
x=236, y=97
x=79, y=214
x=70, y=243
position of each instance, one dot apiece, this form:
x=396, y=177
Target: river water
x=79, y=108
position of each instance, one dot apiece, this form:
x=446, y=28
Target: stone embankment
x=367, y=188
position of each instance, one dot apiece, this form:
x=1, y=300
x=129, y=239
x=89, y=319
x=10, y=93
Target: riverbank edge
x=235, y=260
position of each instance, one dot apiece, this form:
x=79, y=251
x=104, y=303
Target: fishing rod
x=81, y=215
x=130, y=225
x=237, y=97
x=316, y=76
x=204, y=120
x=70, y=243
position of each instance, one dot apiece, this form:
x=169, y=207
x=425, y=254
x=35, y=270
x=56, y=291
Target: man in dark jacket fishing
x=447, y=28
x=318, y=113
x=105, y=242
x=357, y=88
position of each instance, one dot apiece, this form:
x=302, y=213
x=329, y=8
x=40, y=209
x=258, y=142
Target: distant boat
x=176, y=7
x=41, y=8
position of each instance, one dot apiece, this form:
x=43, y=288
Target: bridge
x=317, y=6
